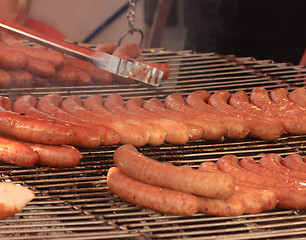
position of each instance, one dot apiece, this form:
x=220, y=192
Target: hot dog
x=273, y=161
x=292, y=124
x=98, y=76
x=197, y=126
x=259, y=127
x=128, y=133
x=156, y=133
x=83, y=137
x=65, y=76
x=21, y=78
x=50, y=104
x=177, y=133
x=16, y=153
x=33, y=129
x=268, y=198
x=288, y=197
x=280, y=96
x=5, y=79
x=84, y=78
x=145, y=169
x=12, y=58
x=40, y=67
x=299, y=96
x=236, y=128
x=148, y=196
x=294, y=162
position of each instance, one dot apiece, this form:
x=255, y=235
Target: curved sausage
x=50, y=104
x=288, y=197
x=145, y=169
x=294, y=162
x=12, y=58
x=93, y=112
x=259, y=127
x=236, y=128
x=197, y=127
x=298, y=96
x=292, y=124
x=280, y=96
x=267, y=197
x=177, y=133
x=83, y=136
x=16, y=153
x=273, y=161
x=31, y=129
x=148, y=196
x=156, y=133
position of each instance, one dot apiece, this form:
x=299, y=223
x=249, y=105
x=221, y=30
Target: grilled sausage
x=5, y=79
x=299, y=96
x=195, y=131
x=273, y=161
x=12, y=58
x=288, y=197
x=83, y=136
x=145, y=169
x=148, y=196
x=40, y=67
x=156, y=133
x=106, y=47
x=50, y=104
x=259, y=127
x=32, y=129
x=268, y=198
x=292, y=124
x=177, y=133
x=294, y=162
x=236, y=128
x=21, y=78
x=16, y=153
x=95, y=113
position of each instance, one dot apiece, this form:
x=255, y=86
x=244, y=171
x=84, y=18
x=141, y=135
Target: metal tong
x=121, y=67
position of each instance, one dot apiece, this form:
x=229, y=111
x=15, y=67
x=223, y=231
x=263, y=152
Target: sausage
x=16, y=153
x=50, y=104
x=84, y=78
x=156, y=133
x=176, y=102
x=21, y=78
x=106, y=47
x=268, y=198
x=259, y=127
x=195, y=131
x=250, y=164
x=148, y=196
x=145, y=169
x=55, y=156
x=177, y=133
x=65, y=76
x=83, y=136
x=128, y=133
x=33, y=129
x=40, y=67
x=294, y=162
x=5, y=79
x=292, y=124
x=273, y=161
x=54, y=57
x=12, y=58
x=98, y=76
x=298, y=96
x=288, y=197
x=40, y=81
x=280, y=96
x=236, y=128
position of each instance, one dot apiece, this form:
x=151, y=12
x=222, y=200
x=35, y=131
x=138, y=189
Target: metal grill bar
x=77, y=204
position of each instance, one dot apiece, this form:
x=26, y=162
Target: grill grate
x=77, y=204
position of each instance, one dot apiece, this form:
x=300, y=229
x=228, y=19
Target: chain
x=131, y=20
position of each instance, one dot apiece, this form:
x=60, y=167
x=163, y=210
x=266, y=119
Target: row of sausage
x=24, y=65
x=228, y=187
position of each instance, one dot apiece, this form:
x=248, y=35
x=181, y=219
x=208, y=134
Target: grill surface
x=77, y=204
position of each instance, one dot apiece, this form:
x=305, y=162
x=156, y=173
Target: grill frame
x=76, y=203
